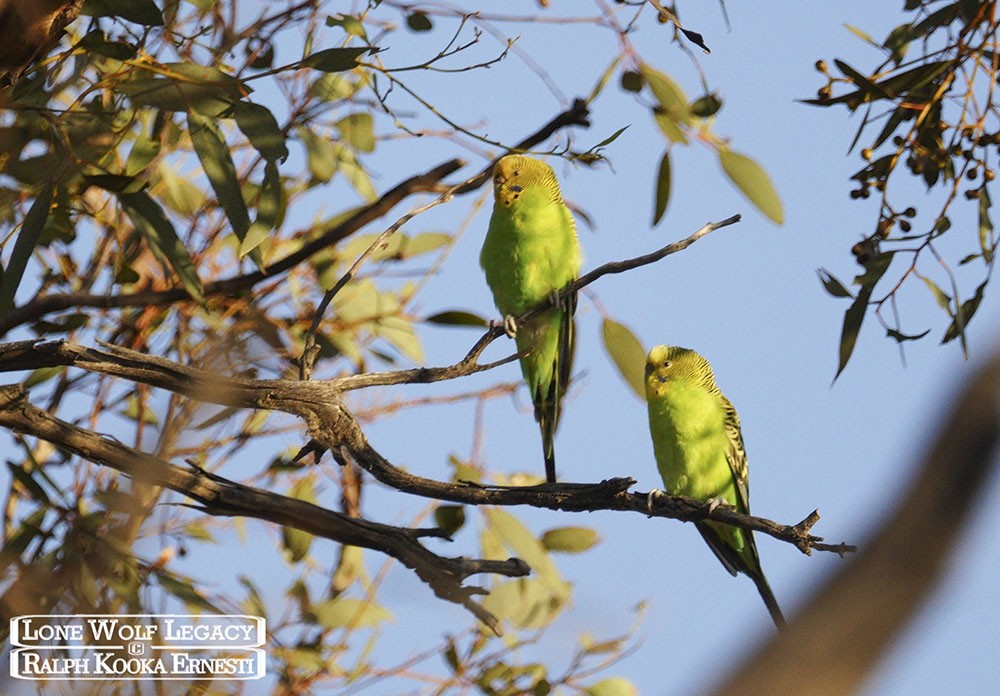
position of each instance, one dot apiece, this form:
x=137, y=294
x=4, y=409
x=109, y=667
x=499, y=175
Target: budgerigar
x=531, y=252
x=699, y=451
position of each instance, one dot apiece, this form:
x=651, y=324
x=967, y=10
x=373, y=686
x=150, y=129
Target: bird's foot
x=510, y=326
x=561, y=303
x=653, y=495
x=714, y=503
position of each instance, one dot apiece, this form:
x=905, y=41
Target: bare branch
x=334, y=427
x=219, y=496
x=468, y=364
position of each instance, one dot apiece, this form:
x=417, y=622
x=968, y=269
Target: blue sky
x=746, y=297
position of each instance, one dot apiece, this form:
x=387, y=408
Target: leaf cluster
x=928, y=113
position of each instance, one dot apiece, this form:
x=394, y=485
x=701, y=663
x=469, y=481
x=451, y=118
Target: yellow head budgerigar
x=699, y=451
x=530, y=252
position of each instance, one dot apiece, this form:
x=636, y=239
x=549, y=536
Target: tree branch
x=331, y=424
x=428, y=182
x=219, y=496
x=468, y=365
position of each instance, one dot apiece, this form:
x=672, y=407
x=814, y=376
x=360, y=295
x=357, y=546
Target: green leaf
x=143, y=153
x=183, y=590
x=449, y=518
x=831, y=284
x=615, y=645
x=115, y=183
x=28, y=483
x=352, y=25
x=295, y=541
x=399, y=333
x=962, y=318
x=662, y=188
x=213, y=152
x=570, y=539
x=424, y=243
x=64, y=324
x=348, y=165
x=463, y=472
x=522, y=543
x=41, y=375
x=333, y=87
x=898, y=40
x=254, y=603
x=985, y=225
x=862, y=35
x=321, y=155
x=358, y=131
x=855, y=76
x=350, y=567
x=612, y=686
x=357, y=302
x=455, y=317
x=943, y=299
x=853, y=317
x=524, y=602
x=95, y=42
x=602, y=81
x=153, y=225
x=875, y=268
x=345, y=611
x=139, y=11
x=269, y=207
x=390, y=248
x=668, y=126
x=260, y=127
x=139, y=411
x=627, y=354
x=896, y=118
x=27, y=531
x=178, y=194
x=706, y=106
x=24, y=247
x=754, y=182
x=335, y=59
x=419, y=21
x=668, y=93
x=608, y=140
x=185, y=87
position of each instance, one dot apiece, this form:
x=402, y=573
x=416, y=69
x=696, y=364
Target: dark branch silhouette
x=832, y=645
x=219, y=496
x=330, y=423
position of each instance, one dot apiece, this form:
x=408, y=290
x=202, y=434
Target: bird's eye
x=666, y=363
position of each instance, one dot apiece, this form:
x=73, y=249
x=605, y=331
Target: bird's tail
x=548, y=426
x=768, y=596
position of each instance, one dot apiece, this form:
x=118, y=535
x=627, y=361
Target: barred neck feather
x=673, y=363
x=513, y=175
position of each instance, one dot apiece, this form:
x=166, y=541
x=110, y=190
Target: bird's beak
x=649, y=370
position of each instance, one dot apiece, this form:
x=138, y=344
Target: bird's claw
x=653, y=495
x=713, y=504
x=510, y=326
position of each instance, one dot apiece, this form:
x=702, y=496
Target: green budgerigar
x=531, y=252
x=699, y=451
